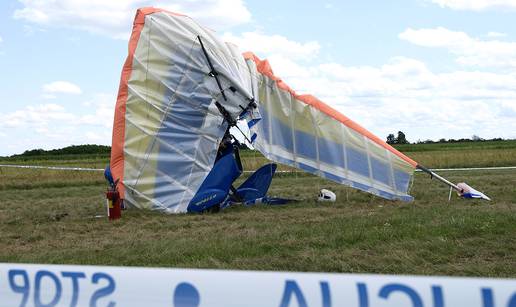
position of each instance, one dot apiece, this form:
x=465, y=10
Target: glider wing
x=304, y=132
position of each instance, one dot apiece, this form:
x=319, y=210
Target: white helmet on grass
x=327, y=195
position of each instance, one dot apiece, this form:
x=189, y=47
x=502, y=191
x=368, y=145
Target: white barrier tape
x=63, y=168
x=280, y=171
x=493, y=168
x=64, y=285
x=59, y=168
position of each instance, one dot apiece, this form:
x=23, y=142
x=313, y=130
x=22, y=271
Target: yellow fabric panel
x=149, y=69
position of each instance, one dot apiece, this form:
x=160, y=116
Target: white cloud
x=271, y=45
x=114, y=18
x=53, y=125
x=38, y=116
x=496, y=34
x=48, y=96
x=1, y=39
x=475, y=5
x=60, y=87
x=436, y=37
x=405, y=94
x=469, y=51
x=98, y=137
x=104, y=106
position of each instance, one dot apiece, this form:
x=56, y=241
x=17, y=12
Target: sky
x=430, y=68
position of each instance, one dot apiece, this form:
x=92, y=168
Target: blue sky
x=431, y=68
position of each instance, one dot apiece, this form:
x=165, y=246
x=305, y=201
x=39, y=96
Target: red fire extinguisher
x=114, y=204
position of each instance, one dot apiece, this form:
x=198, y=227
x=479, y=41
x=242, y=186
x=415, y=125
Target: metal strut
x=441, y=179
x=213, y=73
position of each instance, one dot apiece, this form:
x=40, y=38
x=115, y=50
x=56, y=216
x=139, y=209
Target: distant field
x=510, y=144
x=50, y=217
x=470, y=154
x=448, y=155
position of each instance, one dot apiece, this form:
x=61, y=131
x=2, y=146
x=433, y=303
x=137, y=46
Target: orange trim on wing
x=144, y=11
x=264, y=68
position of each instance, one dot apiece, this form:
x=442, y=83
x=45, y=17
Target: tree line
x=69, y=150
x=402, y=139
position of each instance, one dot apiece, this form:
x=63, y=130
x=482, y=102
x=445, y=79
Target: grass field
x=50, y=217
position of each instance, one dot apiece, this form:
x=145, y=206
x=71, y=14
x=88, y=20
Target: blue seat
x=215, y=188
x=257, y=185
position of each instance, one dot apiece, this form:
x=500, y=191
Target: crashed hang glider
x=181, y=90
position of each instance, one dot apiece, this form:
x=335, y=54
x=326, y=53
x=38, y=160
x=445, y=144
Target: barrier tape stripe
x=64, y=168
x=80, y=285
x=470, y=169
x=60, y=168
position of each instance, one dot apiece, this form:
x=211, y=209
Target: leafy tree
x=401, y=138
x=391, y=139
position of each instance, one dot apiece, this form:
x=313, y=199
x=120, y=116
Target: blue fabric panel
x=381, y=171
x=331, y=152
x=402, y=180
x=308, y=168
x=333, y=177
x=338, y=179
x=360, y=186
x=305, y=145
x=180, y=131
x=282, y=160
x=186, y=114
x=264, y=126
x=282, y=134
x=357, y=161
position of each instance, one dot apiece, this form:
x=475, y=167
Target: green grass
x=50, y=217
x=467, y=154
x=508, y=144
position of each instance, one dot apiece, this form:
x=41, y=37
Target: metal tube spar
x=438, y=177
